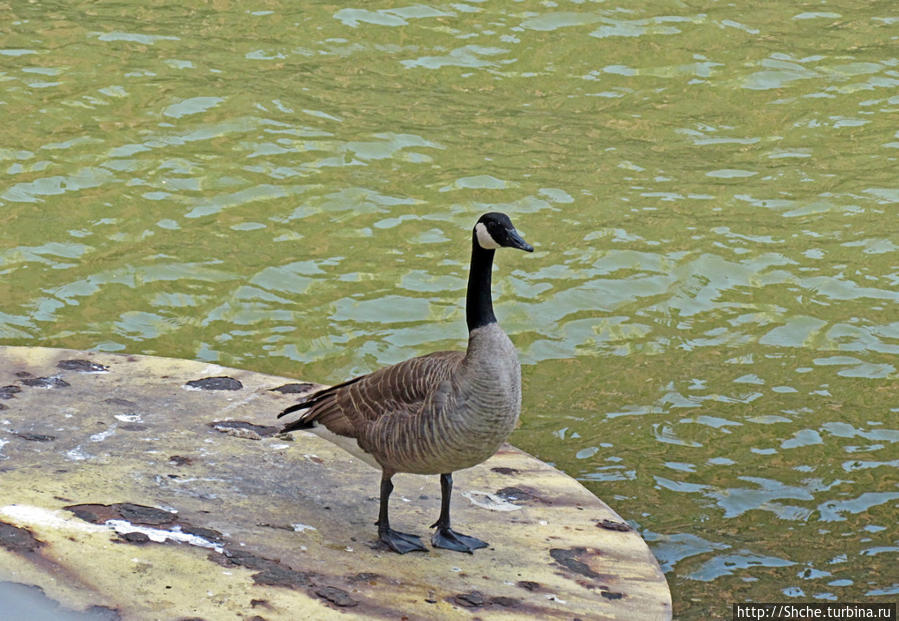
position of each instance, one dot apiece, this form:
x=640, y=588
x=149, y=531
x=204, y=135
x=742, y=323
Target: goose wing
x=398, y=390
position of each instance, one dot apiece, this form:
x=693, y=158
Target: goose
x=432, y=414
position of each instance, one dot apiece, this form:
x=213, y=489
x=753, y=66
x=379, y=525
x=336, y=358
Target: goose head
x=495, y=230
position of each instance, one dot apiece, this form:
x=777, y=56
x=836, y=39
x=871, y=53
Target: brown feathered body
x=427, y=415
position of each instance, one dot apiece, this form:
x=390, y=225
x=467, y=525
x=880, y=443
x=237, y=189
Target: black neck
x=479, y=302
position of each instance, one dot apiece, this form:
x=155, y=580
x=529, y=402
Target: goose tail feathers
x=306, y=419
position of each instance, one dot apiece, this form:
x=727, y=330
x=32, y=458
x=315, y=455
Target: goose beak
x=517, y=241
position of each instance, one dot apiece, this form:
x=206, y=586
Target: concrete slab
x=137, y=487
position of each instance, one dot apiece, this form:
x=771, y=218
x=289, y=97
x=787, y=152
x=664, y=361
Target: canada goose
x=432, y=414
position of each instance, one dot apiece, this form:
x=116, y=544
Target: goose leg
x=444, y=536
x=395, y=540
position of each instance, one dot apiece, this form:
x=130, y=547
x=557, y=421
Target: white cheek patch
x=485, y=241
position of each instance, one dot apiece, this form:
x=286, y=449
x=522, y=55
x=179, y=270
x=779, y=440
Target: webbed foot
x=451, y=540
x=401, y=542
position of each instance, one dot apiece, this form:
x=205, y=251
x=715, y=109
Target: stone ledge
x=138, y=487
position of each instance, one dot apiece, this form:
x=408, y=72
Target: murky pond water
x=709, y=326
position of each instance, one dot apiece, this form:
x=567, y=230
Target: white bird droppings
x=489, y=501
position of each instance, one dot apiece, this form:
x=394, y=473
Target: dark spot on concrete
x=181, y=460
x=275, y=575
x=528, y=585
x=336, y=596
x=136, y=514
x=18, y=540
x=505, y=602
x=260, y=602
x=241, y=558
x=516, y=493
x=244, y=429
x=122, y=402
x=613, y=525
x=472, y=599
x=209, y=534
x=150, y=516
x=83, y=366
x=278, y=526
x=216, y=383
x=504, y=470
x=23, y=374
x=46, y=382
x=35, y=437
x=95, y=514
x=570, y=559
x=289, y=389
x=270, y=572
x=136, y=538
x=611, y=594
x=8, y=392
x=133, y=427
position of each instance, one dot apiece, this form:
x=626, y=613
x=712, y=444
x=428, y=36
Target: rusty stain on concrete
x=141, y=487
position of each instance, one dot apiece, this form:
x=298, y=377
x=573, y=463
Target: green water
x=708, y=326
